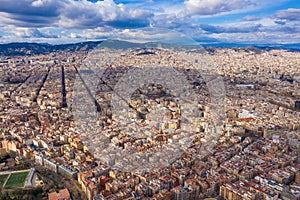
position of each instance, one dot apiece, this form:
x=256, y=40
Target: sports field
x=16, y=180
x=3, y=178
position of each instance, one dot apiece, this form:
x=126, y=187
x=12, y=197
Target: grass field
x=3, y=178
x=16, y=180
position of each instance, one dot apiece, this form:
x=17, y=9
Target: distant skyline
x=206, y=21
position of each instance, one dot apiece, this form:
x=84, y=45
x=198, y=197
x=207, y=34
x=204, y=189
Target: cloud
x=211, y=7
x=263, y=31
x=172, y=21
x=90, y=15
x=97, y=33
x=280, y=22
x=46, y=8
x=28, y=14
x=250, y=18
x=259, y=37
x=77, y=20
x=286, y=29
x=230, y=29
x=291, y=14
x=24, y=32
x=137, y=35
x=71, y=14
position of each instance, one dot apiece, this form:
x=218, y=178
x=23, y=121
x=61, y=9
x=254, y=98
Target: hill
x=21, y=49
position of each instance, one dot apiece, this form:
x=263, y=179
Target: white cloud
x=77, y=20
x=71, y=14
x=39, y=3
x=259, y=37
x=291, y=14
x=137, y=35
x=24, y=32
x=250, y=18
x=211, y=7
x=99, y=33
x=265, y=30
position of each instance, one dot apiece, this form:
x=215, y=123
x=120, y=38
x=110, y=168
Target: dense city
x=254, y=154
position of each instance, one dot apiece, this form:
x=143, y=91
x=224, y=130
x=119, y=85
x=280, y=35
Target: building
x=39, y=159
x=68, y=171
x=297, y=105
x=10, y=145
x=238, y=190
x=51, y=164
x=61, y=195
x=297, y=178
x=177, y=193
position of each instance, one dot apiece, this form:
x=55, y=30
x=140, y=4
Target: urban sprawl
x=255, y=156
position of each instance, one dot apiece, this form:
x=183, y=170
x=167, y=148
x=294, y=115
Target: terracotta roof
x=61, y=195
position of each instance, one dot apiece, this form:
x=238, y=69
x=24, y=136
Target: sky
x=203, y=21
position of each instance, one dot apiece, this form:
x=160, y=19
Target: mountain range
x=22, y=49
